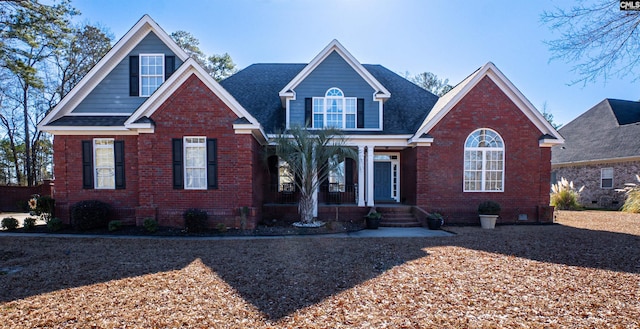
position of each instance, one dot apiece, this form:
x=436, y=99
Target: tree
x=549, y=117
x=218, y=66
x=311, y=156
x=430, y=82
x=599, y=38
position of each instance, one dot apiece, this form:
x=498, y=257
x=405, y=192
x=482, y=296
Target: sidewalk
x=383, y=232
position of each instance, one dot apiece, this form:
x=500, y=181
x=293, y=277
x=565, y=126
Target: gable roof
x=609, y=130
x=256, y=88
x=380, y=93
x=447, y=102
x=117, y=53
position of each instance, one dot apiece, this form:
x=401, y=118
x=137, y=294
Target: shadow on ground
x=281, y=276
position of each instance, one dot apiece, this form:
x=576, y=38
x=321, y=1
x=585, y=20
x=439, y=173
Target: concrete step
x=397, y=216
x=400, y=224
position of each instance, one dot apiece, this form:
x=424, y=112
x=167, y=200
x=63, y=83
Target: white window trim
x=484, y=161
x=95, y=163
x=186, y=144
x=343, y=99
x=148, y=75
x=602, y=170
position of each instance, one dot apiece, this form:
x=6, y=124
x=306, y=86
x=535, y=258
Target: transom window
x=334, y=110
x=484, y=162
x=151, y=73
x=195, y=163
x=104, y=163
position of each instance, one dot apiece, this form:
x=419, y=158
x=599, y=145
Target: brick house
x=601, y=152
x=150, y=132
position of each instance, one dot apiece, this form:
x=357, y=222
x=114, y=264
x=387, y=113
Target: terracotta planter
x=488, y=221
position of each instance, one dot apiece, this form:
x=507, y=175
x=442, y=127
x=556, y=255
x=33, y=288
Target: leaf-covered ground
x=584, y=272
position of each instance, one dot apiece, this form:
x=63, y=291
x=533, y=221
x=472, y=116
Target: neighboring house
x=148, y=131
x=601, y=152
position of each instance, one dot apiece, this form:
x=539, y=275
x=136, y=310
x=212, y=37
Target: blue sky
x=448, y=38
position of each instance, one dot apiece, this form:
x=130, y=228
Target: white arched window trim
x=334, y=110
x=484, y=165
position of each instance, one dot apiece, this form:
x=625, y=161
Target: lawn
x=584, y=272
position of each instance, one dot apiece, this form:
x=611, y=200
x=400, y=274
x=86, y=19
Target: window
x=484, y=162
x=285, y=177
x=151, y=73
x=606, y=178
x=195, y=163
x=104, y=165
x=334, y=110
x=336, y=175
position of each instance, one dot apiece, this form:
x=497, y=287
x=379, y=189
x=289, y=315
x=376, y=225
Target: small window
x=104, y=163
x=285, y=178
x=195, y=163
x=151, y=73
x=606, y=178
x=336, y=175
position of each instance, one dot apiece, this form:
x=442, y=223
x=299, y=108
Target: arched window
x=334, y=110
x=484, y=162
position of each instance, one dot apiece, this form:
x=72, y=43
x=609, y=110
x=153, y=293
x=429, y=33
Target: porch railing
x=328, y=194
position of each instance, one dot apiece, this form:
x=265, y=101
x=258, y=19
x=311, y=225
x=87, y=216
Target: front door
x=382, y=181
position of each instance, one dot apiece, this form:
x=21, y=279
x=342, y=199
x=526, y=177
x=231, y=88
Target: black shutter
x=134, y=81
x=87, y=164
x=360, y=113
x=212, y=164
x=308, y=110
x=169, y=66
x=118, y=149
x=348, y=171
x=178, y=182
x=272, y=164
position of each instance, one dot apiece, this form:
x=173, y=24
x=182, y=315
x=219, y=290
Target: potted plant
x=488, y=212
x=373, y=219
x=435, y=220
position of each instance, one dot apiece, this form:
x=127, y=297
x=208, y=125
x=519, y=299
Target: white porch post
x=370, y=154
x=361, y=176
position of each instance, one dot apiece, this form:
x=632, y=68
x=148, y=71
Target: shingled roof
x=256, y=89
x=609, y=130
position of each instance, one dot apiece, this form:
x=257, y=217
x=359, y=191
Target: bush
x=195, y=220
x=9, y=223
x=55, y=224
x=42, y=206
x=489, y=208
x=90, y=214
x=564, y=196
x=150, y=224
x=115, y=225
x=632, y=203
x=29, y=223
x=221, y=227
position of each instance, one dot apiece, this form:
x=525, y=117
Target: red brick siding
x=15, y=198
x=193, y=110
x=68, y=173
x=527, y=166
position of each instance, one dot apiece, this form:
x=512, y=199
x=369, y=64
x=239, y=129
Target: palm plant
x=308, y=154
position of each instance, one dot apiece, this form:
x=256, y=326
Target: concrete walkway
x=383, y=232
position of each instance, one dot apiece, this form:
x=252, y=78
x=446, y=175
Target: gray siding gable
x=111, y=95
x=334, y=71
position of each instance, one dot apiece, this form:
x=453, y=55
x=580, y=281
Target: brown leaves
x=512, y=277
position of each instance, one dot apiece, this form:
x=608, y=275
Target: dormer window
x=151, y=73
x=334, y=110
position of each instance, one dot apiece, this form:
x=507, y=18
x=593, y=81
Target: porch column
x=370, y=154
x=361, y=176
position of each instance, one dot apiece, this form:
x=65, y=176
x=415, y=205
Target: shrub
x=55, y=224
x=42, y=206
x=632, y=203
x=489, y=208
x=564, y=196
x=221, y=227
x=90, y=214
x=150, y=224
x=195, y=220
x=115, y=225
x=29, y=223
x=9, y=223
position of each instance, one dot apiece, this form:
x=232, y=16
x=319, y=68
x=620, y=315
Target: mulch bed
x=582, y=273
